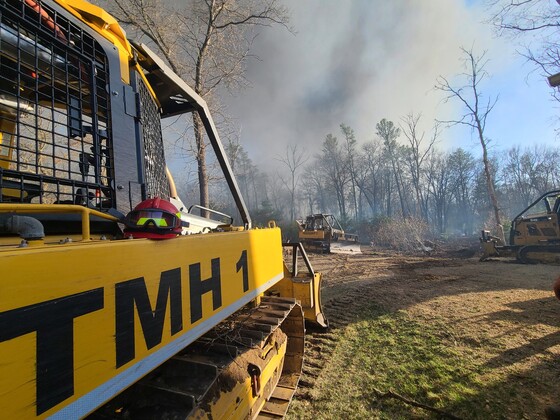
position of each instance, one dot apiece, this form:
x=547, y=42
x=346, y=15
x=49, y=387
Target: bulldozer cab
x=323, y=233
x=80, y=118
x=538, y=223
x=57, y=143
x=54, y=113
x=554, y=201
x=534, y=235
x=322, y=222
x=547, y=203
x=316, y=222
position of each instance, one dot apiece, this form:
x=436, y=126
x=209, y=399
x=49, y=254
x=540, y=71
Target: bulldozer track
x=534, y=254
x=320, y=345
x=194, y=378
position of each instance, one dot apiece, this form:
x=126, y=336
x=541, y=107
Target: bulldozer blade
x=345, y=248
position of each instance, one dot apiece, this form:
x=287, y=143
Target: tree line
x=400, y=174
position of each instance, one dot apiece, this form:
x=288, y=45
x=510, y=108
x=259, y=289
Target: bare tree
x=529, y=173
x=536, y=21
x=350, y=145
x=205, y=41
x=438, y=177
x=314, y=186
x=417, y=154
x=247, y=174
x=462, y=167
x=519, y=169
x=475, y=115
x=389, y=133
x=333, y=164
x=293, y=159
x=370, y=175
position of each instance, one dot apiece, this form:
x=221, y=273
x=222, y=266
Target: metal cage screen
x=55, y=144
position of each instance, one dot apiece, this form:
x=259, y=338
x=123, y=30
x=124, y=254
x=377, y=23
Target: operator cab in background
x=538, y=223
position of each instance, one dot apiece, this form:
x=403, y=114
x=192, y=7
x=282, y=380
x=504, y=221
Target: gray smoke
x=352, y=62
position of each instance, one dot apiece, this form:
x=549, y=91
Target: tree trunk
x=389, y=195
x=397, y=182
x=490, y=184
x=201, y=160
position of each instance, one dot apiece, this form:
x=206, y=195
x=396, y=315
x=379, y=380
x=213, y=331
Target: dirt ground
x=502, y=314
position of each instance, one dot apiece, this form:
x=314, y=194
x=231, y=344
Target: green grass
x=392, y=352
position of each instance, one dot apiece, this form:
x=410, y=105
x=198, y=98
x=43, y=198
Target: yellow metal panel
x=312, y=234
x=75, y=324
x=6, y=143
x=537, y=229
x=106, y=25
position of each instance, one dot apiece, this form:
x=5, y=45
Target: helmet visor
x=152, y=218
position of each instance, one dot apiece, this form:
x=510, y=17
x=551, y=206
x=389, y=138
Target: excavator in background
x=534, y=235
x=200, y=317
x=323, y=233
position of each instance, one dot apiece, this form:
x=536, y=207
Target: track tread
x=169, y=391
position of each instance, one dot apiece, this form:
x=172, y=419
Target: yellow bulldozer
x=116, y=301
x=323, y=233
x=534, y=235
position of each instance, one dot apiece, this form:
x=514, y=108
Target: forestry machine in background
x=159, y=314
x=323, y=233
x=534, y=235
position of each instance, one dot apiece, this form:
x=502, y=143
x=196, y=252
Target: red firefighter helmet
x=155, y=218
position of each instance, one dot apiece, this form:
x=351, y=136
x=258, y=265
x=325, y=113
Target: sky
x=356, y=62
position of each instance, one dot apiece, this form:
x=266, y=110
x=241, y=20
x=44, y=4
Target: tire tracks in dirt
x=341, y=310
x=349, y=284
